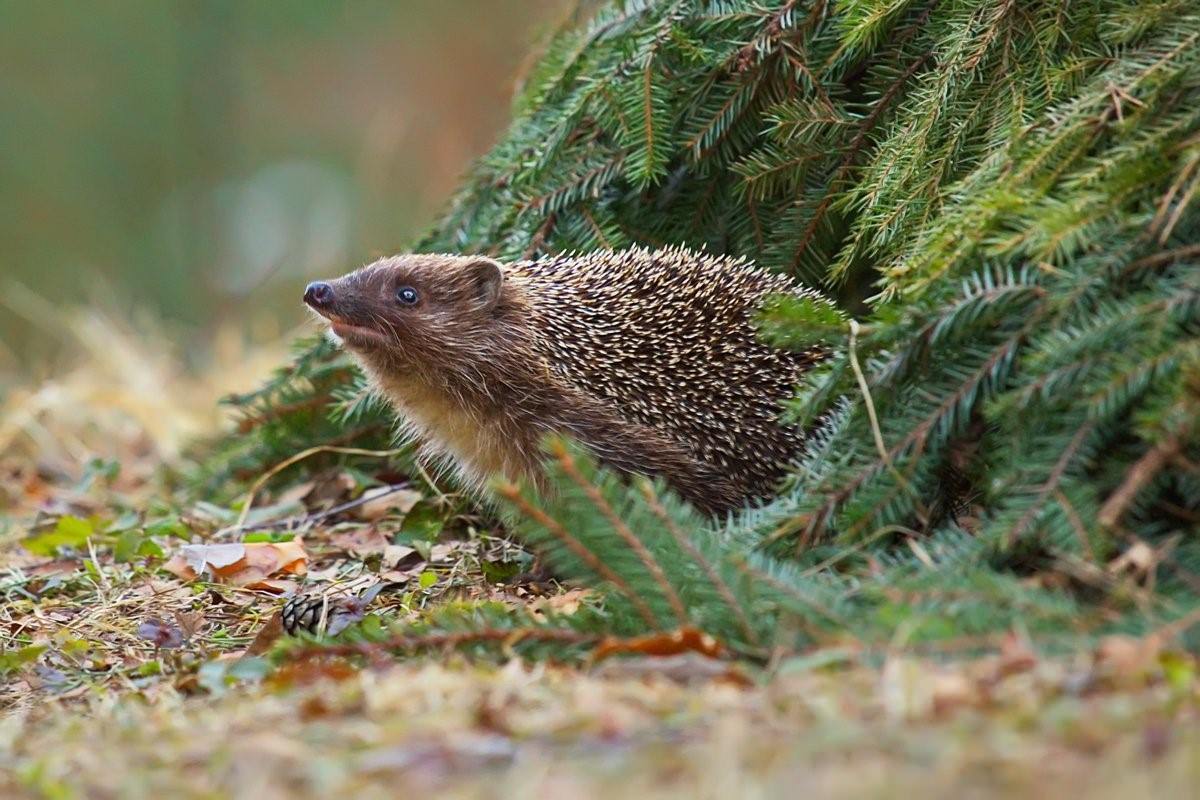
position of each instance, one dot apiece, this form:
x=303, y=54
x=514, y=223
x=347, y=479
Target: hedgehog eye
x=407, y=295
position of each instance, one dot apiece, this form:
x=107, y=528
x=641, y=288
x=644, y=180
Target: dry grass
x=544, y=732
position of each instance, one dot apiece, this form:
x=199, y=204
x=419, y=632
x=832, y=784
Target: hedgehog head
x=415, y=310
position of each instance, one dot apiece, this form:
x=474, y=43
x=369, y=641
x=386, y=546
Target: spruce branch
x=723, y=589
x=1141, y=473
x=566, y=462
x=512, y=493
x=1052, y=482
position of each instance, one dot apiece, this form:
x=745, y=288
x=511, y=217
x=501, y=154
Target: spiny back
x=668, y=338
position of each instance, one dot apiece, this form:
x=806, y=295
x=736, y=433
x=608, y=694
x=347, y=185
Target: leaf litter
x=135, y=644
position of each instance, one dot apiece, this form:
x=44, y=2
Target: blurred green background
x=203, y=158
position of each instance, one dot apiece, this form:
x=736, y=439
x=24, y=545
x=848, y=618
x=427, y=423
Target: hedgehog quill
x=649, y=358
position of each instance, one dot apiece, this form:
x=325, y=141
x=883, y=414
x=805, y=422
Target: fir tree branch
x=1018, y=530
x=512, y=493
x=567, y=463
x=685, y=544
x=851, y=156
x=1142, y=471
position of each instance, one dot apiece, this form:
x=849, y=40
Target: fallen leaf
x=1016, y=655
x=441, y=553
x=395, y=554
x=199, y=556
x=267, y=635
x=567, y=602
x=161, y=634
x=382, y=499
x=276, y=585
x=360, y=541
x=248, y=564
x=190, y=622
x=683, y=640
x=1128, y=657
x=295, y=493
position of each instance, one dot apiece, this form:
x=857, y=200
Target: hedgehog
x=650, y=359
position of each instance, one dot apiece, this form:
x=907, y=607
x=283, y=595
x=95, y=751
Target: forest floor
x=140, y=659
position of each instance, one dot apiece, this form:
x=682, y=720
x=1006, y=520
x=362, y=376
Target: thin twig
x=876, y=433
x=687, y=545
x=1145, y=468
x=513, y=494
x=594, y=495
x=298, y=457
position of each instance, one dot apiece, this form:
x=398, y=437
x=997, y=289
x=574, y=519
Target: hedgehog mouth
x=353, y=334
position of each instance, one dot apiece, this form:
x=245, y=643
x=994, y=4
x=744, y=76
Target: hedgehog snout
x=318, y=295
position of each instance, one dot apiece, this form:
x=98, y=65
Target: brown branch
x=1052, y=481
x=560, y=452
x=648, y=107
x=1076, y=522
x=1145, y=468
x=539, y=236
x=1162, y=258
x=587, y=216
x=511, y=493
x=744, y=58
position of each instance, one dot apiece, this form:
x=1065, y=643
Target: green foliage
x=1015, y=187
x=68, y=532
x=662, y=567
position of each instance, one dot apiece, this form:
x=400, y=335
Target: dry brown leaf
x=1128, y=657
x=379, y=500
x=568, y=602
x=249, y=564
x=360, y=541
x=441, y=553
x=683, y=640
x=394, y=554
x=267, y=635
x=189, y=622
x=276, y=586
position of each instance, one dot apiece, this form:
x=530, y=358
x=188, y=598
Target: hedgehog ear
x=487, y=279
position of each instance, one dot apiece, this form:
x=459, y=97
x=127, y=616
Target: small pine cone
x=328, y=612
x=303, y=613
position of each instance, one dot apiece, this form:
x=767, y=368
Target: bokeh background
x=184, y=166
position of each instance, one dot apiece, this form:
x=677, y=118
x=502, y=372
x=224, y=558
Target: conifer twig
x=722, y=588
x=1142, y=471
x=567, y=463
x=512, y=493
x=1052, y=481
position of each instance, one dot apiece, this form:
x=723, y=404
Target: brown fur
x=649, y=359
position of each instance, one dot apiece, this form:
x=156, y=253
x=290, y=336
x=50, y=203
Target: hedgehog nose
x=318, y=294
